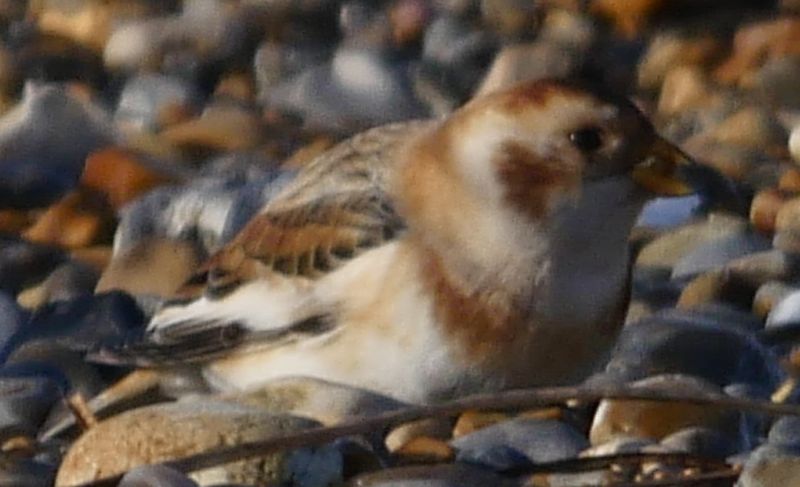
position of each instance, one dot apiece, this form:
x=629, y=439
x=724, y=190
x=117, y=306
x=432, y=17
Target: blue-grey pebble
x=24, y=263
x=664, y=213
x=456, y=55
x=25, y=401
x=145, y=97
x=25, y=473
x=535, y=440
x=785, y=432
x=12, y=318
x=770, y=466
x=361, y=86
x=156, y=476
x=704, y=442
x=44, y=142
x=81, y=323
x=697, y=344
x=715, y=254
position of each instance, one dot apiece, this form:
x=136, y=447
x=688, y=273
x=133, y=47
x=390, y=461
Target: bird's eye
x=587, y=139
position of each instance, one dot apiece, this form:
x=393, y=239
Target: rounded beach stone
x=535, y=440
x=452, y=475
x=711, y=346
x=25, y=400
x=43, y=144
x=657, y=420
x=151, y=101
x=163, y=432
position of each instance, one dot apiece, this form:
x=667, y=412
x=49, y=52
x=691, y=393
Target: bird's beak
x=662, y=170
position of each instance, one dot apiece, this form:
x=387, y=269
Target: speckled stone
x=169, y=431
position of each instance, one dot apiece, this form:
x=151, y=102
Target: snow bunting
x=430, y=259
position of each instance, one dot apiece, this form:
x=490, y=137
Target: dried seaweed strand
x=510, y=400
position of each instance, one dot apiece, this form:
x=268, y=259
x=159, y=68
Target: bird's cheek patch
x=532, y=184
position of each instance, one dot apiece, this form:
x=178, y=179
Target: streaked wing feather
x=336, y=207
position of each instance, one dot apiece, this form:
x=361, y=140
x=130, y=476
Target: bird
x=430, y=259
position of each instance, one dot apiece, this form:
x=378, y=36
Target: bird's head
x=541, y=144
x=542, y=154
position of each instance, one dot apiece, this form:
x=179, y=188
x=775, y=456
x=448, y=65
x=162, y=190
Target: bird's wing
x=258, y=287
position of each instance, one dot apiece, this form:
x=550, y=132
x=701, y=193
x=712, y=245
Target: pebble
x=765, y=208
x=702, y=441
x=757, y=42
x=23, y=263
x=787, y=227
x=657, y=420
x=526, y=62
x=671, y=51
x=786, y=312
x=152, y=267
x=453, y=475
x=456, y=54
x=156, y=476
x=53, y=133
x=776, y=81
x=505, y=445
x=769, y=295
x=81, y=323
x=122, y=176
x=221, y=127
x=149, y=102
x=25, y=473
x=769, y=466
x=435, y=428
x=81, y=218
x=12, y=318
x=785, y=432
x=70, y=280
x=669, y=248
x=360, y=87
x=717, y=253
x=163, y=432
x=794, y=144
x=705, y=345
x=664, y=213
x=25, y=400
